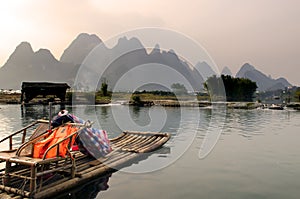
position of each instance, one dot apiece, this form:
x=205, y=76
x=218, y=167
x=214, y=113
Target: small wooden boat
x=28, y=177
x=276, y=107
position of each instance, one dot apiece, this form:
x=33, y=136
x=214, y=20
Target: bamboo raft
x=27, y=177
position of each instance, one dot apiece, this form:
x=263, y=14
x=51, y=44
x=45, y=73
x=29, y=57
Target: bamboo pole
x=145, y=146
x=145, y=142
x=121, y=139
x=50, y=115
x=135, y=143
x=10, y=143
x=33, y=179
x=24, y=136
x=153, y=147
x=84, y=178
x=146, y=133
x=131, y=141
x=19, y=131
x=127, y=140
x=6, y=177
x=14, y=190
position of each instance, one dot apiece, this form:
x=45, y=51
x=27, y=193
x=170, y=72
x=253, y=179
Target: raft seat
x=49, y=154
x=5, y=155
x=40, y=129
x=44, y=177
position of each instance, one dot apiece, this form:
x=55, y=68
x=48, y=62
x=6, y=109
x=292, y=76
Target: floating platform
x=27, y=177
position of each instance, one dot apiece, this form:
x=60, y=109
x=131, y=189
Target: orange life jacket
x=57, y=135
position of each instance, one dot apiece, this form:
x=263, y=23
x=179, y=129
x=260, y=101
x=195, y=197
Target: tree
x=179, y=89
x=297, y=94
x=215, y=87
x=104, y=89
x=237, y=89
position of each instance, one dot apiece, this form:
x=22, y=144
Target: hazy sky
x=265, y=33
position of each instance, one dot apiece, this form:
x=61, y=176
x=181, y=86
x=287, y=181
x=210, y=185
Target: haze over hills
x=125, y=66
x=226, y=71
x=26, y=65
x=128, y=65
x=206, y=70
x=264, y=83
x=79, y=48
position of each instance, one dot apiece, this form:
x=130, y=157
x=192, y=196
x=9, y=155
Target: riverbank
x=16, y=99
x=10, y=98
x=144, y=100
x=175, y=103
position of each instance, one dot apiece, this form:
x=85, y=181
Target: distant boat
x=276, y=107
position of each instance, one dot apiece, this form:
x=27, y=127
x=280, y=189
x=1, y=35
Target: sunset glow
x=264, y=33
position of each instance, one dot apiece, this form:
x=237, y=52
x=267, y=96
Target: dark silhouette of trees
x=104, y=89
x=297, y=94
x=179, y=89
x=236, y=89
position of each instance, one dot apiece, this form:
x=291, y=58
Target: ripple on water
x=258, y=153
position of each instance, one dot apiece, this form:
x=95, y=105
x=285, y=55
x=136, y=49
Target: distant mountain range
x=263, y=82
x=226, y=71
x=26, y=65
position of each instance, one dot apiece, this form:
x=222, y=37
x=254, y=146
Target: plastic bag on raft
x=90, y=141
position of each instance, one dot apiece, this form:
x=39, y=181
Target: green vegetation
x=236, y=89
x=154, y=95
x=161, y=95
x=69, y=96
x=179, y=89
x=136, y=100
x=104, y=91
x=150, y=95
x=297, y=95
x=103, y=96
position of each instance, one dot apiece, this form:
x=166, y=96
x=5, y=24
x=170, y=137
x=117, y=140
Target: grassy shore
x=100, y=99
x=10, y=98
x=143, y=99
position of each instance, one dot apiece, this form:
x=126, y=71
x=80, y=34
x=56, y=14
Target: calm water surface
x=256, y=156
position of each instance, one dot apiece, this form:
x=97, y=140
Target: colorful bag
x=91, y=141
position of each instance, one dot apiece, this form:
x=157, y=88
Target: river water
x=256, y=152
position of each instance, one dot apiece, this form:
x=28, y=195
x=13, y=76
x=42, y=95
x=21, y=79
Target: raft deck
x=26, y=177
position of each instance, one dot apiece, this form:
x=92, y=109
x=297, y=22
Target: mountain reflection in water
x=257, y=155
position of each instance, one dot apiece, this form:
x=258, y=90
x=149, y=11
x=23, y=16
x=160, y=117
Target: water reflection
x=34, y=112
x=136, y=111
x=267, y=143
x=267, y=162
x=92, y=189
x=247, y=123
x=89, y=190
x=104, y=114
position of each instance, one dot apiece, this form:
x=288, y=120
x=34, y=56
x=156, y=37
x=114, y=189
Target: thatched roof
x=26, y=85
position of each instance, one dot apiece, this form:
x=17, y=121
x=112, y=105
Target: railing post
x=73, y=168
x=6, y=177
x=10, y=143
x=24, y=136
x=33, y=178
x=50, y=114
